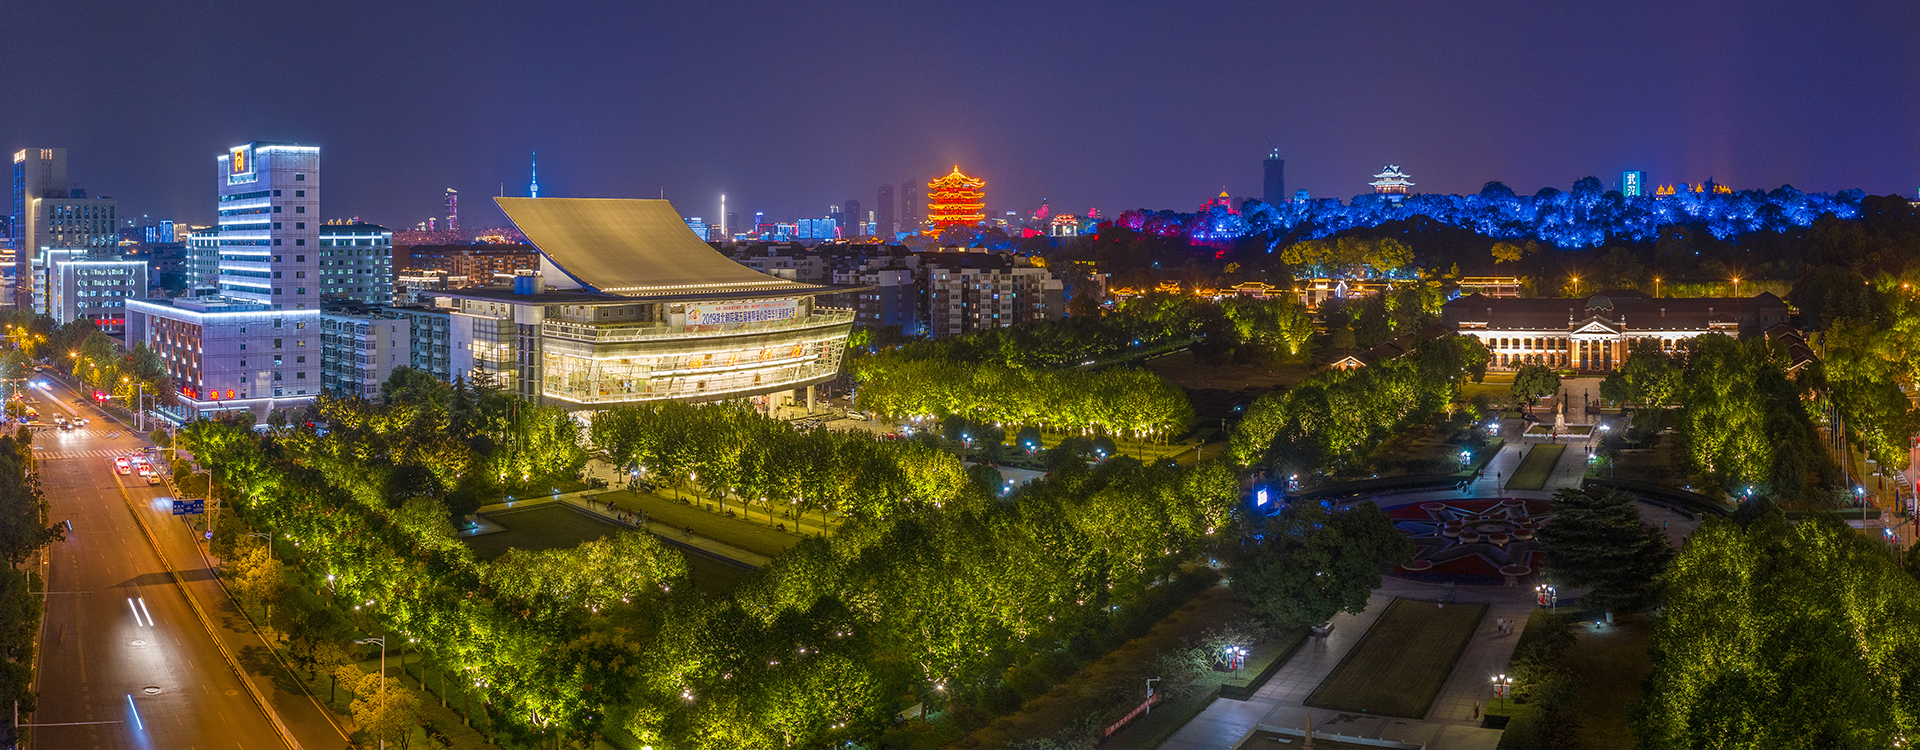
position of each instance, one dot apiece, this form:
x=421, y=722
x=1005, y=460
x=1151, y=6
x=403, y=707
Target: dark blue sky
x=788, y=106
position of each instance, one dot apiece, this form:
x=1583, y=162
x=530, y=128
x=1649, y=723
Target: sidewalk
x=1449, y=723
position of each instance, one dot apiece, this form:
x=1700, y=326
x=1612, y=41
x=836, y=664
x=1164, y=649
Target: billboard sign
x=240, y=164
x=762, y=311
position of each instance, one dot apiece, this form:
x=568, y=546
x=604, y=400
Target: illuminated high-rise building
x=37, y=173
x=1633, y=183
x=910, y=207
x=883, y=214
x=854, y=221
x=956, y=200
x=256, y=342
x=453, y=210
x=1273, y=188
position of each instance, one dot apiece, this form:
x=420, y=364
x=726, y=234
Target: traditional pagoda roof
x=1391, y=178
x=635, y=248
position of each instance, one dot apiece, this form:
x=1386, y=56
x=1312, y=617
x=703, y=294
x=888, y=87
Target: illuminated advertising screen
x=240, y=164
x=763, y=311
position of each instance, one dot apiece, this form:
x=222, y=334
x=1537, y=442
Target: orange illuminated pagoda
x=956, y=200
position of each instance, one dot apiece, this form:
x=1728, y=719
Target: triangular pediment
x=1598, y=327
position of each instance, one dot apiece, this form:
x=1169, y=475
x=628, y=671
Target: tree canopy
x=1778, y=635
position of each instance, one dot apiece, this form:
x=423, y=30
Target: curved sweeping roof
x=634, y=248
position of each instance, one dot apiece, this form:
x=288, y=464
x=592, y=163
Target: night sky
x=788, y=106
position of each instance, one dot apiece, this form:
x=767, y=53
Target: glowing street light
x=1548, y=595
x=1502, y=685
x=383, y=673
x=1736, y=286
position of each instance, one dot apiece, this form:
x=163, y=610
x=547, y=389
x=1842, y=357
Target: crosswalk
x=83, y=432
x=58, y=455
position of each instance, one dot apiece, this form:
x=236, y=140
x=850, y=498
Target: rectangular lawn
x=557, y=526
x=1399, y=666
x=1537, y=467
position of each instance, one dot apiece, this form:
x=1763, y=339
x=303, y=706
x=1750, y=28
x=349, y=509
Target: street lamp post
x=383, y=676
x=1549, y=596
x=1736, y=287
x=1502, y=685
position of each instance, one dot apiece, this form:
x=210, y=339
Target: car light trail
x=137, y=724
x=143, y=610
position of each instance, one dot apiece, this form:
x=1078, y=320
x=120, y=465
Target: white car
x=860, y=415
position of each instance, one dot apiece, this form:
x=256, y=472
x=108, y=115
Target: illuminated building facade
x=255, y=344
x=956, y=200
x=83, y=287
x=629, y=305
x=356, y=263
x=37, y=173
x=1392, y=182
x=1595, y=333
x=1633, y=183
x=360, y=347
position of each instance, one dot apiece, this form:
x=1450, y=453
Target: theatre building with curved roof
x=628, y=305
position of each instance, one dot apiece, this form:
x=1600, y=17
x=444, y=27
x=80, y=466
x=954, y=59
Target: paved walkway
x=1448, y=724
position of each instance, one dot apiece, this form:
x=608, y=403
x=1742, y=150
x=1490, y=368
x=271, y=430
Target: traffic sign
x=189, y=507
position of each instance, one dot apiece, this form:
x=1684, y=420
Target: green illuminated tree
x=1776, y=635
x=1534, y=382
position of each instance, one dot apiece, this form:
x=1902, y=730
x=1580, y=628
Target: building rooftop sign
x=634, y=248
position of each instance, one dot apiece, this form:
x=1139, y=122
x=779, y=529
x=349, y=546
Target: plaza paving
x=1451, y=721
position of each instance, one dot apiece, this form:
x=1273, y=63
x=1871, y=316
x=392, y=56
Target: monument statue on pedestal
x=1560, y=418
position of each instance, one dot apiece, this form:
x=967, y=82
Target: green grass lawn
x=557, y=526
x=1402, y=662
x=752, y=536
x=1608, y=666
x=1537, y=468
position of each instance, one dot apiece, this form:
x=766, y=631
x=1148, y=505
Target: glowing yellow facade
x=956, y=200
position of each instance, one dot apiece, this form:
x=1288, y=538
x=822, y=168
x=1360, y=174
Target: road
x=120, y=642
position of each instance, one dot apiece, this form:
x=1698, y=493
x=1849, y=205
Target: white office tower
x=256, y=344
x=270, y=225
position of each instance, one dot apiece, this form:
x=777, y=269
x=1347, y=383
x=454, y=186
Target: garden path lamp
x=383, y=674
x=1502, y=685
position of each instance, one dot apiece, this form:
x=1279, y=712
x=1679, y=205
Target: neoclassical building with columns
x=1594, y=333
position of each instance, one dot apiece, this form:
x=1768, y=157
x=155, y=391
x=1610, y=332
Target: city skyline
x=1550, y=97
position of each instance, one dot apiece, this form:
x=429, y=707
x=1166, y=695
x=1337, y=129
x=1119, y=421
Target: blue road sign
x=189, y=507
